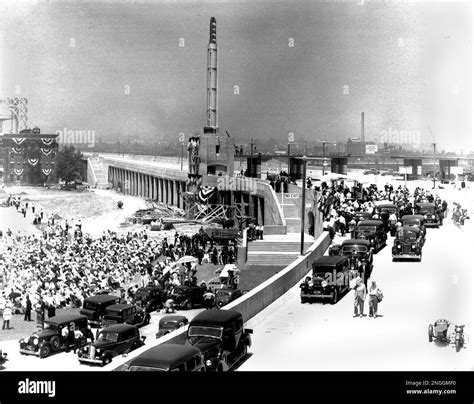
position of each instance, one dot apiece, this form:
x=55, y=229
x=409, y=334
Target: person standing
x=209, y=299
x=77, y=339
x=360, y=293
x=28, y=307
x=7, y=315
x=375, y=296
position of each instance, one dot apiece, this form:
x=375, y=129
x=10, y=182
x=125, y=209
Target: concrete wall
x=252, y=302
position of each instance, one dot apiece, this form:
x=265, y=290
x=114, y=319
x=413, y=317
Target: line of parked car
x=335, y=274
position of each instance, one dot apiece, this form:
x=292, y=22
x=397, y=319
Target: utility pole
x=303, y=204
x=434, y=158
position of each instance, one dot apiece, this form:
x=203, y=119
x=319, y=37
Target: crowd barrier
x=250, y=303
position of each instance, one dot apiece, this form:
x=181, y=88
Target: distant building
x=355, y=147
x=28, y=157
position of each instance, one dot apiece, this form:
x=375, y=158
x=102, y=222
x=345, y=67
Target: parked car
x=170, y=323
x=50, y=339
x=428, y=210
x=112, y=341
x=94, y=307
x=187, y=297
x=331, y=275
x=417, y=221
x=169, y=358
x=226, y=295
x=408, y=243
x=360, y=215
x=150, y=298
x=372, y=171
x=386, y=208
x=3, y=357
x=221, y=337
x=360, y=256
x=373, y=231
x=125, y=314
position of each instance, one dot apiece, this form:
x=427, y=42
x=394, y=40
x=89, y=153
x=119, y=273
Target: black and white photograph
x=257, y=187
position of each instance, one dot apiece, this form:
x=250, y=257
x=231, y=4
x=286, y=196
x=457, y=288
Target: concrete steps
x=273, y=253
x=99, y=173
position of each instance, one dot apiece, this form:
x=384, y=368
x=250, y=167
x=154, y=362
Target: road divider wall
x=250, y=303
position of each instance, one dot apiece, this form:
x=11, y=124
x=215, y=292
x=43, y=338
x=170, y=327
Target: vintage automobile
x=187, y=297
x=407, y=243
x=371, y=171
x=112, y=341
x=94, y=307
x=360, y=256
x=226, y=295
x=170, y=323
x=169, y=358
x=125, y=314
x=428, y=210
x=362, y=215
x=417, y=221
x=386, y=208
x=50, y=339
x=150, y=298
x=444, y=331
x=221, y=337
x=3, y=357
x=331, y=279
x=373, y=231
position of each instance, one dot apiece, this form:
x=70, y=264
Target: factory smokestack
x=362, y=132
x=212, y=75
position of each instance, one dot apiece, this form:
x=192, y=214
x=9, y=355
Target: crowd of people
x=339, y=205
x=63, y=265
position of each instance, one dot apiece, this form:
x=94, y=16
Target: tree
x=69, y=164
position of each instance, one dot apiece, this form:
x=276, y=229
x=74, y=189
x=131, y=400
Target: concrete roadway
x=289, y=335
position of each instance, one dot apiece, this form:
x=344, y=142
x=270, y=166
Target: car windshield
x=411, y=222
x=49, y=326
x=407, y=234
x=145, y=369
x=168, y=324
x=199, y=331
x=322, y=271
x=367, y=229
x=427, y=208
x=90, y=305
x=356, y=249
x=108, y=336
x=223, y=293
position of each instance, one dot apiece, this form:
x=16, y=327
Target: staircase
x=276, y=253
x=98, y=173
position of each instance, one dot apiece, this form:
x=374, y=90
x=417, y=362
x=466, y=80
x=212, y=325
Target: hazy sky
x=408, y=66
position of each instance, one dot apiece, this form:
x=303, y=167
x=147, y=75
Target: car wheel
x=189, y=305
x=458, y=345
x=55, y=343
x=106, y=360
x=220, y=304
x=430, y=333
x=44, y=352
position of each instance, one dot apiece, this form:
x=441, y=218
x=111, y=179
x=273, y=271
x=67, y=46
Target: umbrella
x=187, y=258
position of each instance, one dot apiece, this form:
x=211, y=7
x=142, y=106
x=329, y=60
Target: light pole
x=303, y=203
x=434, y=158
x=289, y=157
x=324, y=156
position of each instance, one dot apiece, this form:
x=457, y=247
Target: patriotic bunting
x=18, y=171
x=33, y=162
x=18, y=150
x=46, y=151
x=18, y=140
x=46, y=171
x=206, y=192
x=47, y=141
